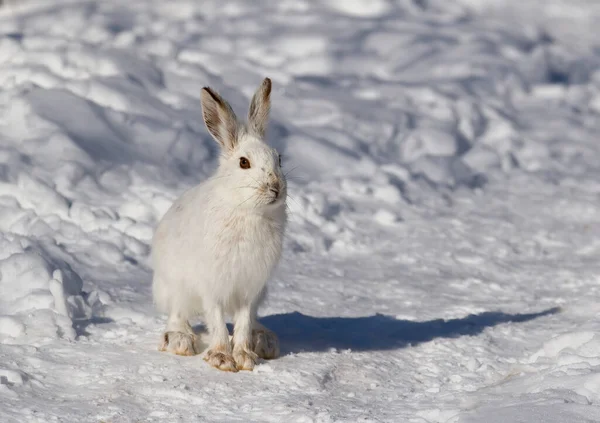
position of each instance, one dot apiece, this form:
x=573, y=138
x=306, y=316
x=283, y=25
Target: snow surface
x=441, y=263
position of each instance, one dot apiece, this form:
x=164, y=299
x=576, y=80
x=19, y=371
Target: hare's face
x=255, y=177
x=249, y=168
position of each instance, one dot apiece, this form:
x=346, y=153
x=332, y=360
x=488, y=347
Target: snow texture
x=441, y=263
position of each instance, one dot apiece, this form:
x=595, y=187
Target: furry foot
x=220, y=359
x=266, y=343
x=244, y=359
x=179, y=343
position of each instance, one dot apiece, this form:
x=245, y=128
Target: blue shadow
x=298, y=332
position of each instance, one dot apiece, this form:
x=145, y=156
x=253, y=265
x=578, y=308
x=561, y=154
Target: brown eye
x=244, y=163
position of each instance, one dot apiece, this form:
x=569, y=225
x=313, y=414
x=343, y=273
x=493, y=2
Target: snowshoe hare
x=217, y=245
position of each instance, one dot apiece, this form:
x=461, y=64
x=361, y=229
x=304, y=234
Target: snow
x=441, y=263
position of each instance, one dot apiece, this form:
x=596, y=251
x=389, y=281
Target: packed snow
x=441, y=261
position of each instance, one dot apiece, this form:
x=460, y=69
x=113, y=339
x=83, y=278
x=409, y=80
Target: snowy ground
x=442, y=259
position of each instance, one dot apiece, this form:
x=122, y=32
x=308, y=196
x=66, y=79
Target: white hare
x=217, y=245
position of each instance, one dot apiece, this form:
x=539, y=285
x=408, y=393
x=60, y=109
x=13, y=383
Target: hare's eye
x=280, y=160
x=244, y=163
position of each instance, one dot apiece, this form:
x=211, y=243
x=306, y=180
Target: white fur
x=217, y=245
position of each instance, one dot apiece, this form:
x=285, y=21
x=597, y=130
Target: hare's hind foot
x=179, y=343
x=266, y=343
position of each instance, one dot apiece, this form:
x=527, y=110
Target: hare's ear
x=219, y=119
x=258, y=115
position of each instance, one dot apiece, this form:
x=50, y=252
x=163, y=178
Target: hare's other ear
x=219, y=119
x=258, y=115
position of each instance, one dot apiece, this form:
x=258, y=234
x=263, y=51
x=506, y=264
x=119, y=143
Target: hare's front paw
x=221, y=359
x=179, y=343
x=266, y=343
x=244, y=358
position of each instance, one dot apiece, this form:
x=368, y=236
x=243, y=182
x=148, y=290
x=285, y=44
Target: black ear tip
x=267, y=85
x=210, y=92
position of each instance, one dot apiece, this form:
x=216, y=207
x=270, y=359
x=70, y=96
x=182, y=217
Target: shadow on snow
x=301, y=333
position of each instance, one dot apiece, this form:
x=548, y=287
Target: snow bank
x=40, y=294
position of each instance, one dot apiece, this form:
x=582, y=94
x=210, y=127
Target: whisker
x=295, y=178
x=290, y=171
x=254, y=179
x=292, y=198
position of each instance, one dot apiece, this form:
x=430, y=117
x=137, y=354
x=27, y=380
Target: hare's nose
x=274, y=188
